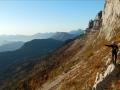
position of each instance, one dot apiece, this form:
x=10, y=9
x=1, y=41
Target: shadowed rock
x=102, y=82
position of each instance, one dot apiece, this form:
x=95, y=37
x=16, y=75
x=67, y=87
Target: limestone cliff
x=111, y=18
x=95, y=24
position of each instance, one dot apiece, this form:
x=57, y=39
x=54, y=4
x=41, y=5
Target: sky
x=39, y=16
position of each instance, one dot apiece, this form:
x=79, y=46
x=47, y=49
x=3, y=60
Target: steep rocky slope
x=96, y=72
x=94, y=69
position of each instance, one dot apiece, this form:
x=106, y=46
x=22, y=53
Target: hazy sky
x=33, y=16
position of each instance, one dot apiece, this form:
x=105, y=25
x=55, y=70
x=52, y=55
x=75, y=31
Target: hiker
x=115, y=49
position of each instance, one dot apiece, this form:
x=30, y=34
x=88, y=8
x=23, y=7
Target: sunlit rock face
x=96, y=23
x=111, y=18
x=103, y=79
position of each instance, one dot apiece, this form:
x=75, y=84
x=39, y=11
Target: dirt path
x=50, y=84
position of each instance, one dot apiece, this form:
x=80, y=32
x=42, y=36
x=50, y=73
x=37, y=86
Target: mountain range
x=31, y=49
x=5, y=39
x=11, y=46
x=14, y=42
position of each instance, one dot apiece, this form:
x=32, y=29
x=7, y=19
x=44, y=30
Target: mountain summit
x=62, y=36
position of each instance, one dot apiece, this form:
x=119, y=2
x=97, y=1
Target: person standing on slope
x=115, y=49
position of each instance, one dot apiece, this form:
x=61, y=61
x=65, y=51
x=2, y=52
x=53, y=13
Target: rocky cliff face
x=96, y=23
x=111, y=18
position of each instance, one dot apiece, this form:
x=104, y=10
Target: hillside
x=29, y=50
x=76, y=32
x=83, y=63
x=11, y=46
x=41, y=66
x=63, y=36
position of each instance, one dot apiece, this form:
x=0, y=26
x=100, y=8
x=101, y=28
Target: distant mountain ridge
x=63, y=36
x=13, y=42
x=25, y=37
x=6, y=39
x=11, y=46
x=77, y=32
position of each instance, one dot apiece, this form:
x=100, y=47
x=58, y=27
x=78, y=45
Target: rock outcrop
x=96, y=23
x=102, y=80
x=111, y=19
